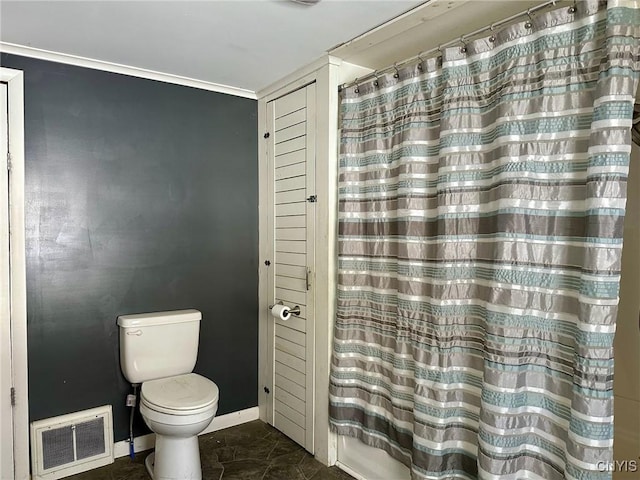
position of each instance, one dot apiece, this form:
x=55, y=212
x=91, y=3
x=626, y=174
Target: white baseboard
x=140, y=444
x=232, y=419
x=147, y=442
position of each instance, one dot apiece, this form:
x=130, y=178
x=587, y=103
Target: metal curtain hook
x=529, y=24
x=375, y=82
x=463, y=48
x=420, y=60
x=492, y=38
x=357, y=89
x=440, y=57
x=573, y=8
x=397, y=74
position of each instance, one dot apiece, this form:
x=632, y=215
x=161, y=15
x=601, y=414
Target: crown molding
x=67, y=59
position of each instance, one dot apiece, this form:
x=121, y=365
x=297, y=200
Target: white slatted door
x=6, y=382
x=291, y=156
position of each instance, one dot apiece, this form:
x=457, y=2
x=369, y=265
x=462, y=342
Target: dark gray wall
x=141, y=196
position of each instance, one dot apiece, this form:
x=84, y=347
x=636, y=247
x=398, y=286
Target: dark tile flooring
x=251, y=451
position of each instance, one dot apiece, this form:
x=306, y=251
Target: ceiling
x=246, y=44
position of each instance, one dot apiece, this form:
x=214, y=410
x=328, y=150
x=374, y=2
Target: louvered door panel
x=291, y=297
x=293, y=163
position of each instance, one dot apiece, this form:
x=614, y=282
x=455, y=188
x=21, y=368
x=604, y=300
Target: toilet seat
x=188, y=394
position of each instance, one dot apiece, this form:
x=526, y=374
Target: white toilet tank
x=158, y=345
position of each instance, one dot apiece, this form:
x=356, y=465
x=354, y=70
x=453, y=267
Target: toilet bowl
x=177, y=409
x=159, y=351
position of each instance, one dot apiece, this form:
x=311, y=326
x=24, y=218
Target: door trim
x=311, y=259
x=15, y=84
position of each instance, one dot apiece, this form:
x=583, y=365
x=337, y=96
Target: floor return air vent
x=70, y=444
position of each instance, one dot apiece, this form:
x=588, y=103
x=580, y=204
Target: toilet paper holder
x=294, y=310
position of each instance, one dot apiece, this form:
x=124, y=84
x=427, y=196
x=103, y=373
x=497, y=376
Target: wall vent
x=70, y=444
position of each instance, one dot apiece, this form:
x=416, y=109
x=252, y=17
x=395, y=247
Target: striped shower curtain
x=481, y=205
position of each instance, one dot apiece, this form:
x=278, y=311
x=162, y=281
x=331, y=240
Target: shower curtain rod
x=461, y=40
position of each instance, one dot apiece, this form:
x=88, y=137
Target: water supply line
x=132, y=400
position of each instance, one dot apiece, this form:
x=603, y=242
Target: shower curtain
x=481, y=205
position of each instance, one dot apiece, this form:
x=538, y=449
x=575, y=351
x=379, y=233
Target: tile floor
x=251, y=451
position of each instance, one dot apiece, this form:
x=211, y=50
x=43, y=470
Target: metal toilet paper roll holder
x=293, y=311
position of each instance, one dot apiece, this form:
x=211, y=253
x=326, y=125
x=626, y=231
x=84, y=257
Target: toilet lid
x=182, y=392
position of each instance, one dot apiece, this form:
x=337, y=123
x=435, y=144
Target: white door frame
x=15, y=84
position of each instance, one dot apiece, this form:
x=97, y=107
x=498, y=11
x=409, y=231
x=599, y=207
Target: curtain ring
x=357, y=89
x=573, y=8
x=420, y=60
x=397, y=74
x=375, y=82
x=463, y=48
x=492, y=38
x=529, y=23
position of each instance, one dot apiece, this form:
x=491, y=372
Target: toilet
x=159, y=351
